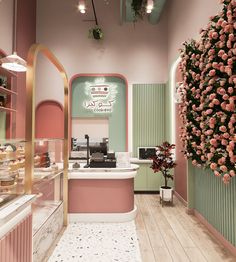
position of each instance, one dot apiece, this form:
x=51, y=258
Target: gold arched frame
x=33, y=52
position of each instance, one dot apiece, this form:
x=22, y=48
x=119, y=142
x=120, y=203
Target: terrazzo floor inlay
x=98, y=242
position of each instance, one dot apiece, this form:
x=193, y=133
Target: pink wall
x=49, y=120
x=26, y=35
x=185, y=18
x=139, y=52
x=6, y=25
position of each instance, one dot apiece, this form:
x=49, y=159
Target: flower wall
x=208, y=92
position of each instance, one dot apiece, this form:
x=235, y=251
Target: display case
x=12, y=175
x=47, y=180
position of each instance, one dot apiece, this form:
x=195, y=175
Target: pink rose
x=223, y=168
x=213, y=142
x=209, y=132
x=223, y=105
x=226, y=135
x=212, y=120
x=216, y=173
x=224, y=56
x=224, y=142
x=216, y=101
x=213, y=166
x=225, y=97
x=230, y=90
x=221, y=91
x=223, y=129
x=226, y=178
x=209, y=88
x=221, y=52
x=209, y=156
x=231, y=145
x=209, y=111
x=231, y=37
x=222, y=69
x=203, y=158
x=229, y=45
x=232, y=173
x=212, y=149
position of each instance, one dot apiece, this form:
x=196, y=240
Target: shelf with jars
x=7, y=93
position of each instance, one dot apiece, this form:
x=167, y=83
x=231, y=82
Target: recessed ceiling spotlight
x=149, y=6
x=81, y=6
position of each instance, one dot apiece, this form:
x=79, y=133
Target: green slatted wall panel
x=148, y=115
x=216, y=202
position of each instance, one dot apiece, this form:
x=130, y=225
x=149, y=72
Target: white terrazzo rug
x=98, y=242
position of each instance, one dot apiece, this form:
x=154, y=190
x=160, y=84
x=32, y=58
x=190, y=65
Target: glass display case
x=47, y=180
x=12, y=175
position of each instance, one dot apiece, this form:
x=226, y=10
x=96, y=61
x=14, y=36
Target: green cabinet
x=146, y=179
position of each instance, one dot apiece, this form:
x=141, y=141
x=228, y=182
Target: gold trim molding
x=33, y=52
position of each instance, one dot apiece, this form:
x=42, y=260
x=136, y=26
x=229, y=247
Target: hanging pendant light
x=14, y=62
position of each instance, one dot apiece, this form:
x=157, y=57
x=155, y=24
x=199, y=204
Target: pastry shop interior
x=91, y=93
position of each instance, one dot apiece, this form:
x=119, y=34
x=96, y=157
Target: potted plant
x=163, y=161
x=139, y=7
x=96, y=33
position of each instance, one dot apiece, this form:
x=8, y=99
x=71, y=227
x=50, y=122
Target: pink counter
x=102, y=194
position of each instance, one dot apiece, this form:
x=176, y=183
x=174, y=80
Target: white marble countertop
x=140, y=161
x=103, y=173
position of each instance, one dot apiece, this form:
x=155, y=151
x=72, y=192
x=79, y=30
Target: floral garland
x=208, y=93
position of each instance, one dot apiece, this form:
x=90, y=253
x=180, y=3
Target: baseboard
x=216, y=234
x=103, y=217
x=185, y=203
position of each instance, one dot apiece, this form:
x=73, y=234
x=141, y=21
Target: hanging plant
x=96, y=33
x=139, y=7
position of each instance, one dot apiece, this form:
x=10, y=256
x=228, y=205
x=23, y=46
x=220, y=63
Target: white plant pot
x=166, y=194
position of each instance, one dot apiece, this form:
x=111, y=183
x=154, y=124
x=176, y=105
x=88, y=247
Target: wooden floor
x=169, y=234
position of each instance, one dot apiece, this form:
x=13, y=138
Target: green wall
x=2, y=125
x=117, y=118
x=168, y=124
x=148, y=115
x=215, y=201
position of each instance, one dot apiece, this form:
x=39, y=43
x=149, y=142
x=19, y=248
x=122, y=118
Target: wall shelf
x=7, y=110
x=7, y=91
x=7, y=73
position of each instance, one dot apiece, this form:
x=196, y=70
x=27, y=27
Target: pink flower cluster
x=208, y=93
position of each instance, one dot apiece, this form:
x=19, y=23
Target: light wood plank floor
x=169, y=234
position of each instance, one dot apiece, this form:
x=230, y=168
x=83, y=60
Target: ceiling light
x=14, y=62
x=81, y=6
x=149, y=6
